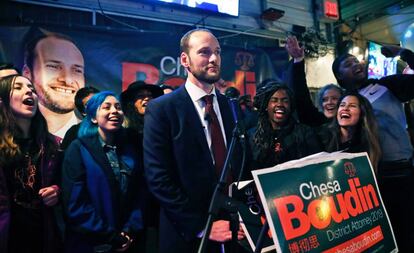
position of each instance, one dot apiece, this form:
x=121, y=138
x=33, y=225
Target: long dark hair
x=263, y=136
x=9, y=129
x=365, y=133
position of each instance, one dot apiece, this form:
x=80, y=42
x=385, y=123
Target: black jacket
x=293, y=142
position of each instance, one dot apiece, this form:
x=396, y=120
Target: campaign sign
x=251, y=215
x=325, y=203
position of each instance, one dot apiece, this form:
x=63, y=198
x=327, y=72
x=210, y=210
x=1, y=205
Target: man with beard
x=186, y=134
x=56, y=67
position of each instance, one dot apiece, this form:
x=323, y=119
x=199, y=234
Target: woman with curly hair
x=278, y=137
x=29, y=167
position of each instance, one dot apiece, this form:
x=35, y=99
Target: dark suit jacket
x=179, y=168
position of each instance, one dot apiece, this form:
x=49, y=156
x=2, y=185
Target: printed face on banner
x=23, y=99
x=58, y=73
x=203, y=61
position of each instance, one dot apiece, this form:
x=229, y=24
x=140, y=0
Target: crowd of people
x=135, y=172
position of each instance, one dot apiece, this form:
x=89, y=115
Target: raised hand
x=294, y=50
x=390, y=50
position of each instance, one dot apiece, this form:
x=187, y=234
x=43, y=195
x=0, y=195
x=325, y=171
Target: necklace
x=26, y=176
x=278, y=146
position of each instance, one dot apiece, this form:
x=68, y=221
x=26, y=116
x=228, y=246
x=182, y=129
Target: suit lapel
x=186, y=110
x=95, y=149
x=226, y=116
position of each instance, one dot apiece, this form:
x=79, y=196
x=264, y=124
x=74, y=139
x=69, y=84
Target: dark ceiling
x=363, y=11
x=383, y=21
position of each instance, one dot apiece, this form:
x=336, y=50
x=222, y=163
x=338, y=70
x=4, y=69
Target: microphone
x=239, y=132
x=235, y=109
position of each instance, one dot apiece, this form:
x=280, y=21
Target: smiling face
x=349, y=112
x=58, y=73
x=23, y=99
x=278, y=108
x=142, y=99
x=330, y=102
x=109, y=116
x=203, y=60
x=351, y=73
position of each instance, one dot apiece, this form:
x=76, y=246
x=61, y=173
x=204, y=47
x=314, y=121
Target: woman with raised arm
x=328, y=95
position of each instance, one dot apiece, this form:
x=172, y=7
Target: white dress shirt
x=62, y=131
x=196, y=95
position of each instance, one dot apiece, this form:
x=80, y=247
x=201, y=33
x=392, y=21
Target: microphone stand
x=221, y=201
x=260, y=240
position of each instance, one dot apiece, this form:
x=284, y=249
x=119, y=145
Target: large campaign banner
x=108, y=59
x=325, y=203
x=115, y=58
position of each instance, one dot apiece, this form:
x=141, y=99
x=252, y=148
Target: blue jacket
x=96, y=210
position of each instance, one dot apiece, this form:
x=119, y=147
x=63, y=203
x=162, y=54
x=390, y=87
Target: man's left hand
x=220, y=231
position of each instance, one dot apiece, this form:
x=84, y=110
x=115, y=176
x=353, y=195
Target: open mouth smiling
x=345, y=115
x=358, y=71
x=69, y=91
x=280, y=113
x=115, y=119
x=29, y=101
x=330, y=108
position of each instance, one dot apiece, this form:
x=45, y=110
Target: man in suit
x=180, y=147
